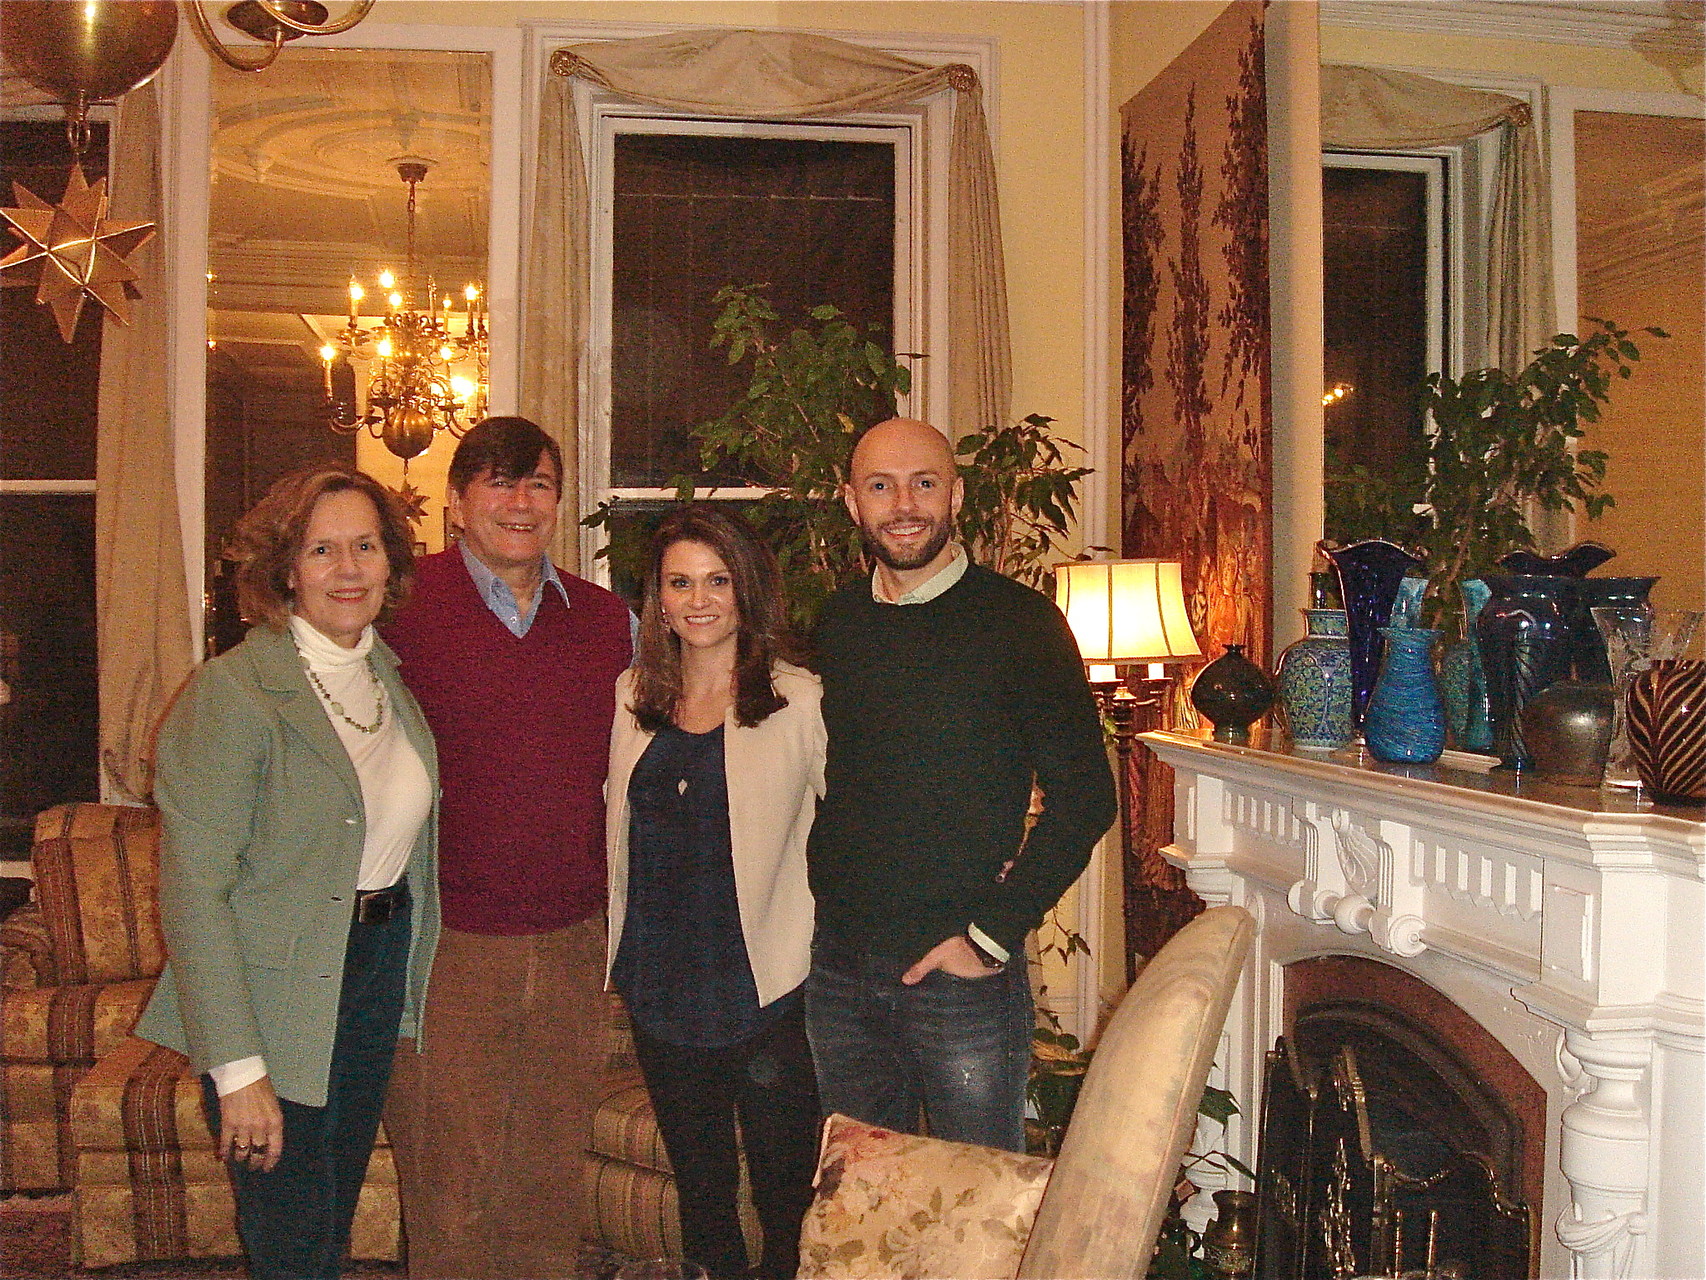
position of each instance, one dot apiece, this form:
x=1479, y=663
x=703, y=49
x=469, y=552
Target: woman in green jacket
x=297, y=783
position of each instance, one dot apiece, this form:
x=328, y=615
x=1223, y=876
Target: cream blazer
x=775, y=778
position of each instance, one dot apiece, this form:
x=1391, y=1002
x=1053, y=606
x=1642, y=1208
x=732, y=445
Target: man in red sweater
x=514, y=663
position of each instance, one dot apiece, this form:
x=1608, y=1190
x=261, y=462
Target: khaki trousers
x=490, y=1122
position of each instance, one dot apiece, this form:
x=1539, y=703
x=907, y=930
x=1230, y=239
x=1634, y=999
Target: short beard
x=918, y=559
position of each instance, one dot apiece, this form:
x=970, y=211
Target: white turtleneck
x=396, y=793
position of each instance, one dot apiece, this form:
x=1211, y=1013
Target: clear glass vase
x=1636, y=637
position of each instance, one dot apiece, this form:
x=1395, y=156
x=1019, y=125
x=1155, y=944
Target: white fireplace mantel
x=1567, y=921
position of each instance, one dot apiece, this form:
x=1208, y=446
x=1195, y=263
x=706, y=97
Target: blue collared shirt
x=501, y=600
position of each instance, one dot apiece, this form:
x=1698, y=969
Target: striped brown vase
x=1667, y=729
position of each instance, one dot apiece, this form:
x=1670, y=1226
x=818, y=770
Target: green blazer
x=263, y=828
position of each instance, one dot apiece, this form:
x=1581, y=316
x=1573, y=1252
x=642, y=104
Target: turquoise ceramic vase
x=1405, y=723
x=1314, y=679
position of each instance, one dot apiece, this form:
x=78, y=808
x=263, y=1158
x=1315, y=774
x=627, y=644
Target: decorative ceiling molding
x=1673, y=25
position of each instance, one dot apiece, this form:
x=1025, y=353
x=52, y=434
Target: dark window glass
x=265, y=419
x=48, y=723
x=1376, y=320
x=47, y=387
x=813, y=219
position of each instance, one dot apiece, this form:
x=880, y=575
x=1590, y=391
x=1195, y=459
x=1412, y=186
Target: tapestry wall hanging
x=1196, y=422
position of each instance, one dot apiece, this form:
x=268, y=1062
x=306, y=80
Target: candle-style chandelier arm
x=273, y=24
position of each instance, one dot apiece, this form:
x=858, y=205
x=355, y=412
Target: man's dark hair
x=510, y=447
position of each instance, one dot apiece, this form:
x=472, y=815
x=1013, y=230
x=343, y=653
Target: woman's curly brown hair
x=763, y=635
x=268, y=539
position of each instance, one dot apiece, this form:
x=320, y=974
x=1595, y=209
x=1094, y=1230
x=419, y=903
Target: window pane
x=47, y=390
x=48, y=724
x=813, y=219
x=1376, y=319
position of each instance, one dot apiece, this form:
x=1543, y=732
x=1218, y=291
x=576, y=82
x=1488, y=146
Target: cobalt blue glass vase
x=1370, y=573
x=1405, y=723
x=1314, y=679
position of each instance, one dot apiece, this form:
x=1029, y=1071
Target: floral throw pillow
x=895, y=1206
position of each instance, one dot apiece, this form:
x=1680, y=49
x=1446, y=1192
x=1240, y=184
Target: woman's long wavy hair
x=761, y=638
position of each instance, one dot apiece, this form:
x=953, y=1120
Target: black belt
x=376, y=906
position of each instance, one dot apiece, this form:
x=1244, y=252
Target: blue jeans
x=295, y=1221
x=960, y=1048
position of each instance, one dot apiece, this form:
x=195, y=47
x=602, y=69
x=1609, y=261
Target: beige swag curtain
x=764, y=75
x=142, y=611
x=1362, y=107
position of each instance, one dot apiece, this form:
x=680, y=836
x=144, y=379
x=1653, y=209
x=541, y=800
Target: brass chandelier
x=427, y=366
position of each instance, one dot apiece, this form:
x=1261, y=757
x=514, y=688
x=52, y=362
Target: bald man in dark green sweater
x=948, y=690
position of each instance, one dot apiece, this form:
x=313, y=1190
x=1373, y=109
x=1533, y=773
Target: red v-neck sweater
x=523, y=732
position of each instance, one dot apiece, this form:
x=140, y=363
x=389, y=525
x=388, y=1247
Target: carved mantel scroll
x=1551, y=915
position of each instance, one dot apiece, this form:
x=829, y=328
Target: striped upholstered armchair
x=85, y=1104
x=77, y=964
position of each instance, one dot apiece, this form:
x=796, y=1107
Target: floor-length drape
x=142, y=609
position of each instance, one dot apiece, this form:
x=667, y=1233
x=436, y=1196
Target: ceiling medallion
x=81, y=251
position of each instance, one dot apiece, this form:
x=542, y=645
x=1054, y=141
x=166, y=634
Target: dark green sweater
x=939, y=716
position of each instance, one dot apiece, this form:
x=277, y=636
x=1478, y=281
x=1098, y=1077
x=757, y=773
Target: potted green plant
x=1499, y=446
x=813, y=388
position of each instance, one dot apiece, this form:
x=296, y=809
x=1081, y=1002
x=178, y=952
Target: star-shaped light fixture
x=82, y=252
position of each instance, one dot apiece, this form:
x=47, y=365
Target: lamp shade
x=1126, y=610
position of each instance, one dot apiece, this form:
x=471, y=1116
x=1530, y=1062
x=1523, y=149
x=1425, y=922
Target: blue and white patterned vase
x=1405, y=723
x=1314, y=678
x=1463, y=680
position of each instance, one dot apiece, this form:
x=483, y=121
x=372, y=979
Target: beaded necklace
x=337, y=708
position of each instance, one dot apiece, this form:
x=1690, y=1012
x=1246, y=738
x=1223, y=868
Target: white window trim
x=1442, y=169
x=186, y=154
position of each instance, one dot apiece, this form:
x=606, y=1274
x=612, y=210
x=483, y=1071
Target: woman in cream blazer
x=716, y=766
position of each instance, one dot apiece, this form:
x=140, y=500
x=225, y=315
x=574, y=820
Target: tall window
x=49, y=725
x=819, y=213
x=1388, y=320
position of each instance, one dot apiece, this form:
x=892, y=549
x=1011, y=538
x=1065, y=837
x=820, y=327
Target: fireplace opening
x=1398, y=1137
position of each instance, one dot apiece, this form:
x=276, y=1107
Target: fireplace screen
x=1373, y=1163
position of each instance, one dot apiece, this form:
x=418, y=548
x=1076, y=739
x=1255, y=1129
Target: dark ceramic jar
x=1232, y=693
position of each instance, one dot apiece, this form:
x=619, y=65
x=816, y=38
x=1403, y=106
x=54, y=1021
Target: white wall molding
x=1606, y=23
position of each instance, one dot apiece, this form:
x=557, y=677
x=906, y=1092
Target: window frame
x=908, y=323
x=103, y=113
x=1442, y=168
x=919, y=133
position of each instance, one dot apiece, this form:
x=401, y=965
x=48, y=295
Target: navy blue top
x=682, y=966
